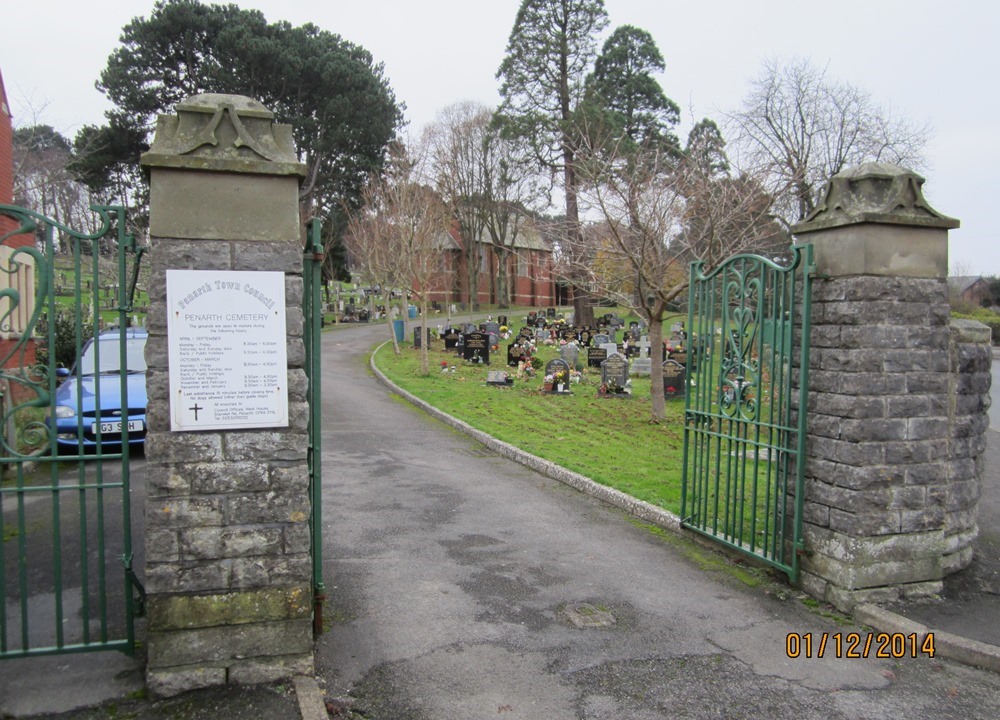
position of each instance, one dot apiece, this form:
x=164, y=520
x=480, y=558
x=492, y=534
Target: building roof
x=961, y=283
x=4, y=105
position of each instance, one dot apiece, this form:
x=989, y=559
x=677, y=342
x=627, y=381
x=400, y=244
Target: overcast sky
x=934, y=63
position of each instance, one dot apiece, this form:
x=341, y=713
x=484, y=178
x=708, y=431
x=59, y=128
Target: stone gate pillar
x=897, y=396
x=228, y=571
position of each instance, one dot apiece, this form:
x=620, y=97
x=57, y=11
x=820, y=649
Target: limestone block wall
x=228, y=568
x=897, y=397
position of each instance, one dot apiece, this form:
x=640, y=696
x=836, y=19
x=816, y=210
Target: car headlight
x=65, y=411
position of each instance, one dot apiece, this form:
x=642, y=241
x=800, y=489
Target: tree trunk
x=583, y=306
x=503, y=278
x=583, y=310
x=392, y=333
x=658, y=405
x=424, y=363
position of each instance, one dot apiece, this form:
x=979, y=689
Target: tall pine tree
x=549, y=53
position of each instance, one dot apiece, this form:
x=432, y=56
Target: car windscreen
x=110, y=356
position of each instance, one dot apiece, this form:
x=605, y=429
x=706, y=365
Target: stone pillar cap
x=223, y=133
x=874, y=192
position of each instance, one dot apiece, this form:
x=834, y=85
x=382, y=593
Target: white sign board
x=227, y=350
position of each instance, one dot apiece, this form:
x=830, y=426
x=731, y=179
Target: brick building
x=13, y=321
x=529, y=271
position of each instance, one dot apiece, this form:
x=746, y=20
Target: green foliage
x=622, y=88
x=549, y=53
x=706, y=149
x=40, y=138
x=65, y=349
x=336, y=98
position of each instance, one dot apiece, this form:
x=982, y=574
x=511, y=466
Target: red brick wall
x=6, y=159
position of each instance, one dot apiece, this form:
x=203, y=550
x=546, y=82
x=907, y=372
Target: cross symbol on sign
x=196, y=408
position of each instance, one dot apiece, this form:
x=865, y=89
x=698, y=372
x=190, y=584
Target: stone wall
x=228, y=570
x=897, y=397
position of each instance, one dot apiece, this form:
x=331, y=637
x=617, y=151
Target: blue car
x=88, y=385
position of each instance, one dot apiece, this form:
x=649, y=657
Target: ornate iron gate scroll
x=312, y=274
x=744, y=437
x=65, y=520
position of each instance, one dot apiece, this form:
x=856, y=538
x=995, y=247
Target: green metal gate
x=744, y=437
x=312, y=274
x=65, y=515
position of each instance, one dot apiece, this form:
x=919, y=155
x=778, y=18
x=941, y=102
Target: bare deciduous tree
x=800, y=127
x=401, y=232
x=490, y=183
x=455, y=144
x=658, y=215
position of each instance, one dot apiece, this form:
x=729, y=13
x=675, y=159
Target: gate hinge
x=139, y=599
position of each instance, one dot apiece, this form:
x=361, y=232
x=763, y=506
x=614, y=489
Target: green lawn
x=610, y=440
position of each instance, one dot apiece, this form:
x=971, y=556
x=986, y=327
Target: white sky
x=931, y=62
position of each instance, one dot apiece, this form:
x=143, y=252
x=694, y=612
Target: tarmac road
x=453, y=576
x=450, y=572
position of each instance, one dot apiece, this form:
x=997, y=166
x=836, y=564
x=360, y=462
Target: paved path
x=450, y=571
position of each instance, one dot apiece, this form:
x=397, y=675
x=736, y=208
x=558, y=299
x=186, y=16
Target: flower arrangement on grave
x=613, y=388
x=575, y=376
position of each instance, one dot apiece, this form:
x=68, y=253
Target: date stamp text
x=859, y=645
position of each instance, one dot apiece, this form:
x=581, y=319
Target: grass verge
x=609, y=440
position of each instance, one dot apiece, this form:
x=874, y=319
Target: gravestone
x=614, y=371
x=542, y=335
x=585, y=338
x=494, y=340
x=451, y=338
x=515, y=354
x=492, y=327
x=643, y=346
x=570, y=354
x=610, y=347
x=634, y=331
x=499, y=378
x=601, y=338
x=595, y=356
x=551, y=312
x=674, y=375
x=469, y=328
x=417, y=335
x=502, y=319
x=526, y=333
x=363, y=316
x=540, y=322
x=559, y=370
x=642, y=366
x=476, y=347
x=532, y=316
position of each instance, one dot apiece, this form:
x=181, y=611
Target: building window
x=522, y=265
x=23, y=281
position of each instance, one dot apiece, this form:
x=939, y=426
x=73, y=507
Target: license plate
x=110, y=428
